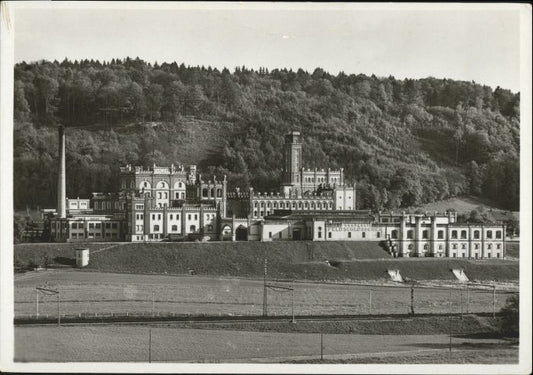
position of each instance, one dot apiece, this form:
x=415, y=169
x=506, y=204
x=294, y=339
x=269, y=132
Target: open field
x=108, y=293
x=485, y=354
x=131, y=343
x=286, y=260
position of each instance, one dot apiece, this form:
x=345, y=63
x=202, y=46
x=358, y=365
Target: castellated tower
x=292, y=162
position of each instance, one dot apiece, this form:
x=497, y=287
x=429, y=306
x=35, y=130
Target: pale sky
x=480, y=45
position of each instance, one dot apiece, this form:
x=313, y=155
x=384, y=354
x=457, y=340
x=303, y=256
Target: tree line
x=404, y=142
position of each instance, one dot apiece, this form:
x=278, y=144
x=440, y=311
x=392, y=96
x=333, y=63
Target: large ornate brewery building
x=177, y=204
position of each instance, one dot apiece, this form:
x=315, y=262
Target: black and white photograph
x=275, y=187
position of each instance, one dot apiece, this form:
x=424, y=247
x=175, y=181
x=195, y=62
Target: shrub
x=510, y=316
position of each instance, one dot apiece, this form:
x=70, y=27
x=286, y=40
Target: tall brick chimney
x=61, y=181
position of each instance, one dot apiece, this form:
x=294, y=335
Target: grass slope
x=286, y=260
x=299, y=260
x=461, y=205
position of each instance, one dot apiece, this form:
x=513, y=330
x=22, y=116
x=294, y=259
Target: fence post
x=37, y=304
x=467, y=298
x=150, y=345
x=461, y=299
x=450, y=323
x=493, y=301
x=59, y=309
x=321, y=346
x=292, y=303
x=265, y=289
x=370, y=301
x=412, y=300
x=451, y=302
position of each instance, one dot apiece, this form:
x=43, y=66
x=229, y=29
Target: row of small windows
x=171, y=216
x=294, y=205
x=454, y=234
x=205, y=193
x=174, y=228
x=93, y=235
x=94, y=225
x=319, y=179
x=108, y=205
x=160, y=185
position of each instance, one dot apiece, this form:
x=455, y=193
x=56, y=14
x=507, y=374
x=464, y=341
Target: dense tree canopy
x=405, y=142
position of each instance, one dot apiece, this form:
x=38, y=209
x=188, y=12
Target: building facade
x=176, y=204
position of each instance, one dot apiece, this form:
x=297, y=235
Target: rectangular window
x=440, y=234
x=171, y=217
x=454, y=234
x=476, y=234
x=280, y=234
x=362, y=234
x=329, y=234
x=319, y=234
x=350, y=234
x=74, y=225
x=489, y=234
x=410, y=234
x=463, y=234
x=498, y=234
x=378, y=234
x=195, y=217
x=153, y=216
x=174, y=228
x=156, y=228
x=91, y=225
x=107, y=225
x=158, y=216
x=114, y=225
x=269, y=234
x=425, y=234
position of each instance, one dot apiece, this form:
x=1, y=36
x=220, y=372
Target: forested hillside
x=405, y=142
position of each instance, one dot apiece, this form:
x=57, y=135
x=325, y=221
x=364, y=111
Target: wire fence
x=247, y=298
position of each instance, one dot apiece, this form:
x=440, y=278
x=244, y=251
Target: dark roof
x=317, y=214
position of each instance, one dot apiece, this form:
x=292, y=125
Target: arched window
x=205, y=192
x=219, y=193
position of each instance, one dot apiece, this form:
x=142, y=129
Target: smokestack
x=61, y=182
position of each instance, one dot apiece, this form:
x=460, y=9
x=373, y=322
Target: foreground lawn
x=130, y=343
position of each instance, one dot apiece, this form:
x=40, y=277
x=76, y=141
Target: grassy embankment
x=286, y=260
